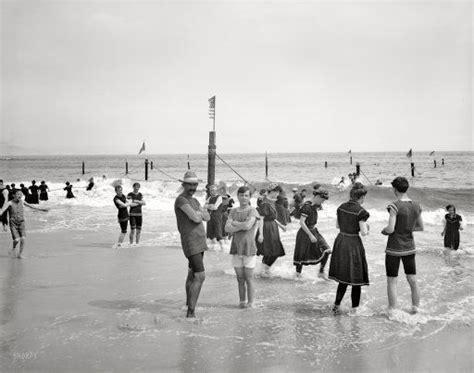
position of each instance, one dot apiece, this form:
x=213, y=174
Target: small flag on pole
x=432, y=153
x=409, y=154
x=212, y=107
x=142, y=149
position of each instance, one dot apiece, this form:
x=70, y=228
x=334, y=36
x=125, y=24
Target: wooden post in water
x=151, y=165
x=358, y=169
x=83, y=168
x=434, y=161
x=442, y=161
x=211, y=159
x=351, y=159
x=146, y=169
x=325, y=164
x=412, y=165
x=266, y=165
x=126, y=167
x=189, y=166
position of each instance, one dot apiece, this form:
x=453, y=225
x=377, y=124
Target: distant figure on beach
x=120, y=201
x=311, y=247
x=26, y=193
x=214, y=225
x=91, y=184
x=303, y=194
x=348, y=262
x=136, y=218
x=227, y=205
x=342, y=182
x=378, y=182
x=17, y=221
x=43, y=191
x=3, y=202
x=271, y=248
x=190, y=217
x=452, y=226
x=12, y=191
x=352, y=178
x=405, y=218
x=34, y=197
x=282, y=206
x=68, y=190
x=295, y=203
x=242, y=222
x=262, y=195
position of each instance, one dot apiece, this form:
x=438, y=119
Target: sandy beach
x=74, y=304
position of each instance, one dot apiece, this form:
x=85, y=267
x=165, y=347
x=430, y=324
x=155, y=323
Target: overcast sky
x=99, y=77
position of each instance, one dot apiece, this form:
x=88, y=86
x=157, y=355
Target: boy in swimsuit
x=17, y=221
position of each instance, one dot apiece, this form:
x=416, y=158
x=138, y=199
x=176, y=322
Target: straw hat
x=190, y=177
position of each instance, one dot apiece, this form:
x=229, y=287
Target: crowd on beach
x=254, y=231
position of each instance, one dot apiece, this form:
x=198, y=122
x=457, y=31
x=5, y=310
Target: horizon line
x=263, y=153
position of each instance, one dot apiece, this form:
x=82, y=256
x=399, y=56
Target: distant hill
x=7, y=149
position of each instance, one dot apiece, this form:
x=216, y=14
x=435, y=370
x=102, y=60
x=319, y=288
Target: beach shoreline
x=74, y=303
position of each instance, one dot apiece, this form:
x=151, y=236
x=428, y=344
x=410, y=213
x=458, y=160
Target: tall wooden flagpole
x=211, y=159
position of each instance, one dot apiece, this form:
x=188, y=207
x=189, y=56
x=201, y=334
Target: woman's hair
x=451, y=206
x=117, y=187
x=244, y=189
x=357, y=191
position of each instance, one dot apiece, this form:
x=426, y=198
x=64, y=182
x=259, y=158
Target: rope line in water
x=366, y=177
x=164, y=173
x=239, y=175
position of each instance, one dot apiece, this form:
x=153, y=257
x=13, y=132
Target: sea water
x=288, y=311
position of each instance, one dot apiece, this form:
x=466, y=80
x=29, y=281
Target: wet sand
x=74, y=304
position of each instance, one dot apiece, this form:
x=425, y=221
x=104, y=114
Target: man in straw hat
x=190, y=216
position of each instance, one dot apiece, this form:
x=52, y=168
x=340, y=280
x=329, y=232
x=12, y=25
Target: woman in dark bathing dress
x=348, y=263
x=43, y=191
x=271, y=248
x=451, y=228
x=34, y=197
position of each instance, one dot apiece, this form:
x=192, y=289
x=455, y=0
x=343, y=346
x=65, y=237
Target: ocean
x=297, y=307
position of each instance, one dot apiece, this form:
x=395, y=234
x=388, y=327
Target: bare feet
x=323, y=276
x=190, y=313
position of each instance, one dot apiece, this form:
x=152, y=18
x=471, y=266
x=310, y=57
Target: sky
x=101, y=77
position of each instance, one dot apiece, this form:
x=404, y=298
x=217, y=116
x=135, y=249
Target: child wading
x=405, y=218
x=311, y=247
x=452, y=226
x=242, y=222
x=17, y=221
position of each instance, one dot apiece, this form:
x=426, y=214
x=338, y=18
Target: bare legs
x=246, y=285
x=392, y=292
x=135, y=233
x=22, y=246
x=193, y=288
x=120, y=239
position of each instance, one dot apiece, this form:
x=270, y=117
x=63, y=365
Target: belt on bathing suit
x=349, y=234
